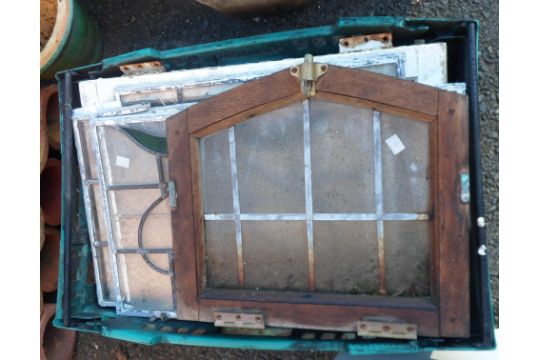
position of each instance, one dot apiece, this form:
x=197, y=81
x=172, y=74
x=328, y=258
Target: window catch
x=172, y=194
x=308, y=73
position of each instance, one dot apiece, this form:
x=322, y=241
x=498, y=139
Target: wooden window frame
x=444, y=314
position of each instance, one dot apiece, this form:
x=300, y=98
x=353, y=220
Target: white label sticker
x=395, y=144
x=122, y=162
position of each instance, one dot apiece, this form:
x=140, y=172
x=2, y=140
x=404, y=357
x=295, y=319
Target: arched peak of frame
x=341, y=85
x=379, y=91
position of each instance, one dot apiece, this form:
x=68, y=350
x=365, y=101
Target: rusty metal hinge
x=239, y=320
x=308, y=73
x=387, y=330
x=365, y=42
x=150, y=67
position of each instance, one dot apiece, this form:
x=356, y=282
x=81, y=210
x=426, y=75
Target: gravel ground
x=129, y=25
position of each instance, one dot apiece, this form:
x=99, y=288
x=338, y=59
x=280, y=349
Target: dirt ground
x=129, y=25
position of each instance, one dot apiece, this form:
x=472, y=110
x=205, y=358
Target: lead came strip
x=236, y=207
x=309, y=198
x=379, y=199
x=319, y=217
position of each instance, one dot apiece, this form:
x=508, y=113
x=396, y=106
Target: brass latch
x=387, y=330
x=239, y=320
x=308, y=73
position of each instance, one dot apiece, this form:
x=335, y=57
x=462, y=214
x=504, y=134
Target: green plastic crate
x=77, y=304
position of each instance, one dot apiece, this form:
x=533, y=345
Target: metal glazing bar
x=133, y=186
x=144, y=251
x=308, y=195
x=236, y=207
x=140, y=240
x=344, y=217
x=161, y=177
x=89, y=213
x=257, y=217
x=379, y=200
x=106, y=208
x=405, y=217
x=320, y=217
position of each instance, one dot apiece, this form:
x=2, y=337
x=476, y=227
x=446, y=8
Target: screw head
x=481, y=221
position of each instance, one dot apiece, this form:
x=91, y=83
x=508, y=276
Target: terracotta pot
x=43, y=142
x=49, y=260
x=42, y=228
x=50, y=114
x=40, y=302
x=55, y=344
x=51, y=192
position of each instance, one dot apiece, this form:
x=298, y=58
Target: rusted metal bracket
x=365, y=42
x=150, y=67
x=308, y=73
x=239, y=320
x=387, y=330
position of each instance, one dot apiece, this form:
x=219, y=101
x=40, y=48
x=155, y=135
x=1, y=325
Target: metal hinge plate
x=150, y=67
x=308, y=73
x=239, y=320
x=387, y=330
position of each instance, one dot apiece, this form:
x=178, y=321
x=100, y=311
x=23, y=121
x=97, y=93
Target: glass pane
x=346, y=256
x=342, y=158
x=128, y=209
x=165, y=167
x=406, y=251
x=99, y=215
x=270, y=158
x=405, y=160
x=275, y=255
x=85, y=132
x=133, y=203
x=157, y=233
x=125, y=161
x=104, y=259
x=142, y=287
x=389, y=69
x=216, y=173
x=221, y=259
